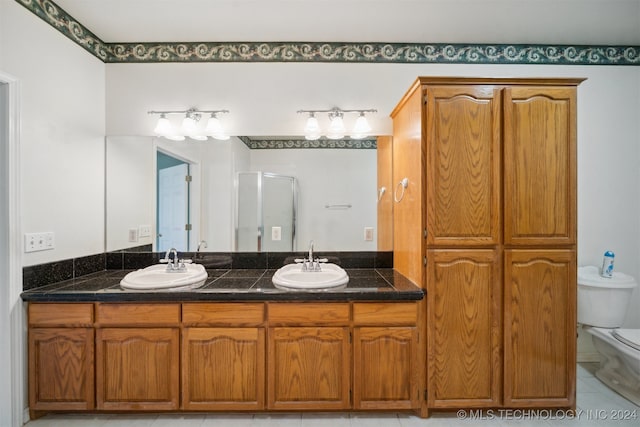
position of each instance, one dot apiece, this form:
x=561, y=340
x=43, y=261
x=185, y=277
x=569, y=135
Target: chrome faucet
x=311, y=253
x=171, y=265
x=201, y=244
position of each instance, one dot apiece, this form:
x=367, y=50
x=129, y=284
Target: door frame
x=12, y=309
x=194, y=192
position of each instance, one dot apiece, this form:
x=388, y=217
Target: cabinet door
x=385, y=368
x=540, y=328
x=463, y=130
x=223, y=368
x=61, y=369
x=540, y=166
x=309, y=368
x=137, y=369
x=463, y=349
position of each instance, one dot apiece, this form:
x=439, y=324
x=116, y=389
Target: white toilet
x=602, y=306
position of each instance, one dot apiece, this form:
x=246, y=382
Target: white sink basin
x=157, y=277
x=291, y=276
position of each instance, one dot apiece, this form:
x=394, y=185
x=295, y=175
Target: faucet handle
x=164, y=260
x=322, y=259
x=299, y=260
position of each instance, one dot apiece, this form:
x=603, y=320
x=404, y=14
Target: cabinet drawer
x=315, y=314
x=51, y=315
x=234, y=314
x=138, y=314
x=383, y=314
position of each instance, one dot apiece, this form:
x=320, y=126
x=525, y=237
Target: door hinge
x=426, y=98
x=188, y=178
x=424, y=233
x=187, y=227
x=424, y=260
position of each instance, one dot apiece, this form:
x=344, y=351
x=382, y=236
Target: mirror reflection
x=204, y=194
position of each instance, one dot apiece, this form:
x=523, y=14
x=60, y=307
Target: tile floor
x=597, y=406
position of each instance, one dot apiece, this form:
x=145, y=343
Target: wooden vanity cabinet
x=60, y=357
x=309, y=357
x=137, y=356
x=489, y=219
x=385, y=356
x=464, y=328
x=223, y=356
x=539, y=320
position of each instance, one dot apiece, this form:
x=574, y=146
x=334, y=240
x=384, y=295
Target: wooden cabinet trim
x=223, y=313
x=60, y=315
x=308, y=314
x=137, y=315
x=385, y=314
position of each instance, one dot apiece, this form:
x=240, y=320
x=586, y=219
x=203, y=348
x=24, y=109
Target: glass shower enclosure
x=265, y=217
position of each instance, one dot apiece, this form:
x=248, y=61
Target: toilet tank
x=603, y=302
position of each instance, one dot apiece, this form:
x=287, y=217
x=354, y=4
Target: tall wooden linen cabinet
x=487, y=225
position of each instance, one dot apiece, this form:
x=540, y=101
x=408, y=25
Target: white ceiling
x=402, y=21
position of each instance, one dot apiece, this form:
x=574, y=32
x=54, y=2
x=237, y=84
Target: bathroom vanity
x=237, y=344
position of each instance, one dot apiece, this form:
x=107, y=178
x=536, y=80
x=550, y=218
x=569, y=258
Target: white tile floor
x=597, y=406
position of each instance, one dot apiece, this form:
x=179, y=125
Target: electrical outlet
x=368, y=234
x=133, y=234
x=144, y=231
x=276, y=233
x=34, y=242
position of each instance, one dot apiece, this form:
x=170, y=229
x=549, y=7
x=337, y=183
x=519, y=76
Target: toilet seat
x=630, y=337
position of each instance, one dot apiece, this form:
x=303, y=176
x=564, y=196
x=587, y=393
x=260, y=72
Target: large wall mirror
x=333, y=193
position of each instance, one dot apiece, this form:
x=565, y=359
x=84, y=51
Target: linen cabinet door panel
x=309, y=368
x=463, y=133
x=540, y=166
x=385, y=368
x=464, y=318
x=61, y=369
x=540, y=328
x=223, y=368
x=137, y=369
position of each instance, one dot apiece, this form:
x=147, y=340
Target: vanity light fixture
x=190, y=127
x=336, y=129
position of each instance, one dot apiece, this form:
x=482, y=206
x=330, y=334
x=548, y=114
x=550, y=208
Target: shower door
x=265, y=212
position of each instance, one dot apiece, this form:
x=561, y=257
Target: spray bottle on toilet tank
x=607, y=265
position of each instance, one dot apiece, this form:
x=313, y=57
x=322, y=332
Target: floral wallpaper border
x=417, y=53
x=257, y=144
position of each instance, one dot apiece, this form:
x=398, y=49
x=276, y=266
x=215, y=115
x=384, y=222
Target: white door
x=173, y=208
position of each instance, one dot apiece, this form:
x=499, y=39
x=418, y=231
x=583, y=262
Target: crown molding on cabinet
x=418, y=53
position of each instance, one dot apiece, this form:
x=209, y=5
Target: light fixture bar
x=336, y=128
x=339, y=110
x=190, y=126
x=191, y=110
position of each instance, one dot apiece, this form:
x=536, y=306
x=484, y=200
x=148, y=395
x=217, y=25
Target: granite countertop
x=366, y=284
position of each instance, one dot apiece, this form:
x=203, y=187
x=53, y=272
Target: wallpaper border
x=402, y=53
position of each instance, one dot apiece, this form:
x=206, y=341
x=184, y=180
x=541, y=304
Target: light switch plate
x=276, y=233
x=144, y=231
x=34, y=242
x=368, y=234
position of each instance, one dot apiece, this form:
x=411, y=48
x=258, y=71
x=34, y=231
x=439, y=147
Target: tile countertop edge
x=399, y=289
